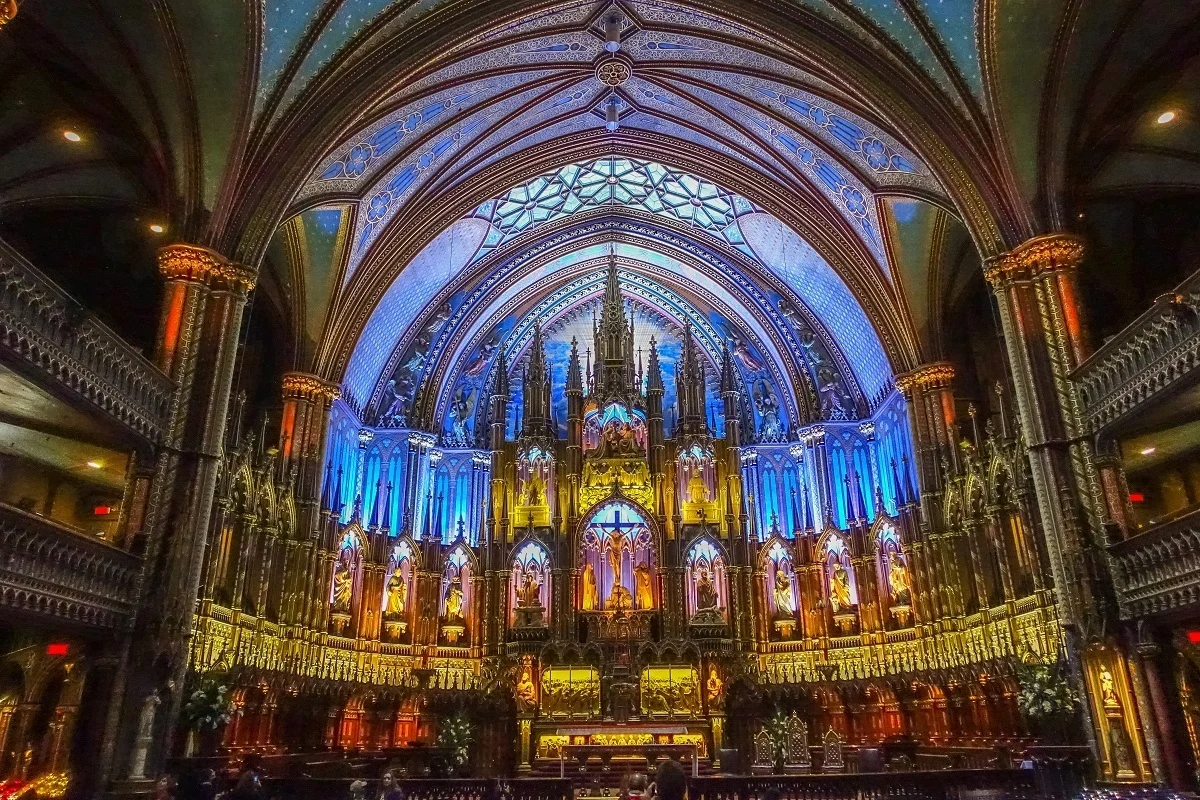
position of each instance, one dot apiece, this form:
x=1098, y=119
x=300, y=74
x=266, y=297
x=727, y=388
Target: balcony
x=1158, y=570
x=46, y=335
x=55, y=572
x=1153, y=358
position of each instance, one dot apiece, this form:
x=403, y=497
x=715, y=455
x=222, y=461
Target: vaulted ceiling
x=334, y=142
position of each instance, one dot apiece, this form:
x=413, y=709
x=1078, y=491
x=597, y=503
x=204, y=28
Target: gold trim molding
x=930, y=376
x=191, y=262
x=1042, y=254
x=303, y=386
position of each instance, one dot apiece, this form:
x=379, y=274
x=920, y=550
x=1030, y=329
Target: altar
x=581, y=748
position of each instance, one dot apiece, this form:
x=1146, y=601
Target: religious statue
x=343, y=587
x=397, y=596
x=839, y=588
x=395, y=416
x=454, y=599
x=145, y=736
x=785, y=599
x=591, y=593
x=898, y=581
x=529, y=592
x=706, y=592
x=1108, y=689
x=714, y=686
x=525, y=691
x=620, y=597
x=535, y=489
x=697, y=488
x=641, y=579
x=461, y=408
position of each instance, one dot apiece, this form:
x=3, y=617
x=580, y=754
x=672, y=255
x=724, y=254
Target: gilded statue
x=706, y=591
x=641, y=579
x=526, y=693
x=591, y=593
x=454, y=599
x=715, y=685
x=529, y=593
x=535, y=489
x=839, y=589
x=898, y=580
x=697, y=489
x=343, y=587
x=785, y=598
x=397, y=596
x=1108, y=689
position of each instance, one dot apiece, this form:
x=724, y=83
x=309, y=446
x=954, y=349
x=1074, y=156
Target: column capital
x=189, y=262
x=937, y=375
x=1041, y=254
x=304, y=386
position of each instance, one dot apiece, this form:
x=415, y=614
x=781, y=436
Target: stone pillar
x=203, y=302
x=1041, y=318
x=1170, y=740
x=930, y=400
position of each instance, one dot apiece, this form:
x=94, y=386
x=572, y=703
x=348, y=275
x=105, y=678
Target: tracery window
x=643, y=185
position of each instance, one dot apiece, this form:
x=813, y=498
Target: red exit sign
x=58, y=649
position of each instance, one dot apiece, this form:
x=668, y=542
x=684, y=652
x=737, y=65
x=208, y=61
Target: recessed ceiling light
x=1147, y=451
x=1165, y=117
x=72, y=136
x=156, y=228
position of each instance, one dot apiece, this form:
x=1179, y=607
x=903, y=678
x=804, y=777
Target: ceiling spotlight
x=72, y=136
x=612, y=33
x=1165, y=117
x=1147, y=451
x=156, y=228
x=95, y=464
x=612, y=115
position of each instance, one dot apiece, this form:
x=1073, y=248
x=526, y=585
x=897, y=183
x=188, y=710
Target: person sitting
x=670, y=783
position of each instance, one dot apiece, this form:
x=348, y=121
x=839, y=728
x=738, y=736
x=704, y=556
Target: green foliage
x=455, y=733
x=1046, y=693
x=208, y=706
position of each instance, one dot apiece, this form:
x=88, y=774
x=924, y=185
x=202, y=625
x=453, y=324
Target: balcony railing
x=55, y=571
x=1158, y=570
x=1146, y=361
x=44, y=331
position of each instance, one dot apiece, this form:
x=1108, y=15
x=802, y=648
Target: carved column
x=929, y=393
x=1035, y=287
x=203, y=302
x=1037, y=298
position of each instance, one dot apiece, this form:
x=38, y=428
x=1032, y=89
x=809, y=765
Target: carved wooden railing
x=45, y=332
x=1158, y=570
x=1009, y=784
x=50, y=569
x=1146, y=360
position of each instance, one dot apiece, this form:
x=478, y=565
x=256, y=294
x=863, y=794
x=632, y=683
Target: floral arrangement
x=1045, y=693
x=455, y=733
x=208, y=706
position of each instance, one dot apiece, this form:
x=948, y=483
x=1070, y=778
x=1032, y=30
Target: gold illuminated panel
x=620, y=739
x=550, y=745
x=670, y=691
x=570, y=692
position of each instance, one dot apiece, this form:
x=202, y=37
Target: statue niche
x=343, y=584
x=614, y=443
x=396, y=591
x=535, y=488
x=840, y=583
x=456, y=596
x=781, y=589
x=894, y=574
x=529, y=586
x=618, y=563
x=706, y=585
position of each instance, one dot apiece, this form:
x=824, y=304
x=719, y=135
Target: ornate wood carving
x=43, y=330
